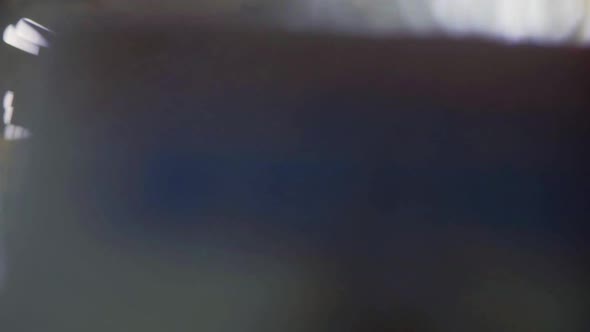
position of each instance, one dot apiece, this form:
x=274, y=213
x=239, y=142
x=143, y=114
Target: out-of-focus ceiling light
x=11, y=38
x=31, y=31
x=27, y=36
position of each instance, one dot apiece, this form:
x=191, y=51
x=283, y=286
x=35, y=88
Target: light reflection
x=12, y=38
x=33, y=23
x=15, y=133
x=538, y=21
x=12, y=132
x=513, y=20
x=27, y=36
x=25, y=29
x=8, y=108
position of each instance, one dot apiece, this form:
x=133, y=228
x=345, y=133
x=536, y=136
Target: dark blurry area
x=198, y=175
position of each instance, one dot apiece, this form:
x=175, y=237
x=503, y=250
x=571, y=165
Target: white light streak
x=8, y=108
x=33, y=23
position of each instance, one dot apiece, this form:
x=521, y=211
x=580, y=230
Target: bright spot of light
x=12, y=132
x=12, y=38
x=29, y=31
x=8, y=108
x=28, y=36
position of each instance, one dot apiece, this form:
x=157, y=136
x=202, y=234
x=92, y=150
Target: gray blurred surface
x=334, y=184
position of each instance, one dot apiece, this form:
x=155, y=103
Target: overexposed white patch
x=29, y=31
x=27, y=36
x=12, y=132
x=8, y=108
x=12, y=38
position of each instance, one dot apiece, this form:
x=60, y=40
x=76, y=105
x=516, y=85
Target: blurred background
x=256, y=165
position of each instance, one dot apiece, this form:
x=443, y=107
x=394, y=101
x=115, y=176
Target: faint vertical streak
x=8, y=108
x=584, y=30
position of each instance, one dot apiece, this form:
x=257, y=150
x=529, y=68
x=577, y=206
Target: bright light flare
x=8, y=108
x=27, y=36
x=12, y=38
x=29, y=31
